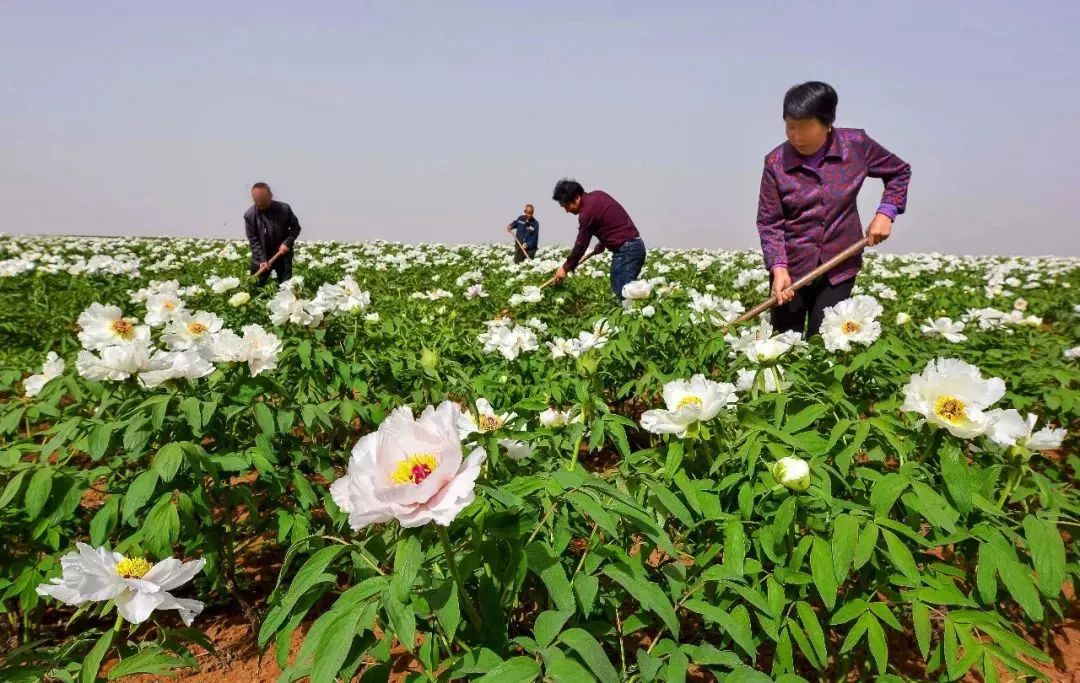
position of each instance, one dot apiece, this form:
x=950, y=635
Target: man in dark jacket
x=271, y=228
x=526, y=231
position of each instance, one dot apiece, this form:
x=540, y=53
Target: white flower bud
x=792, y=472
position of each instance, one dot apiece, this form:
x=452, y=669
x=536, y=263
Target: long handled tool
x=801, y=282
x=269, y=263
x=551, y=280
x=520, y=246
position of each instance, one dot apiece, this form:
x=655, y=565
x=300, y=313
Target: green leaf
x=848, y=611
x=152, y=660
x=813, y=629
x=586, y=587
x=167, y=460
x=588, y=506
x=99, y=440
x=264, y=417
x=1047, y=552
x=138, y=494
x=449, y=613
x=648, y=594
x=585, y=645
x=844, y=538
x=886, y=491
x=735, y=547
x=91, y=664
x=875, y=636
x=864, y=549
x=821, y=568
x=738, y=630
x=543, y=563
x=1018, y=582
x=986, y=573
x=675, y=670
x=954, y=471
x=37, y=492
x=547, y=626
x=104, y=521
x=402, y=620
x=515, y=670
x=12, y=488
x=648, y=665
x=192, y=411
x=334, y=645
x=805, y=417
x=920, y=615
x=901, y=557
x=407, y=558
x=670, y=501
x=309, y=575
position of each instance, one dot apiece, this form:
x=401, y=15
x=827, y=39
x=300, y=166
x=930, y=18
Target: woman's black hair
x=567, y=190
x=811, y=100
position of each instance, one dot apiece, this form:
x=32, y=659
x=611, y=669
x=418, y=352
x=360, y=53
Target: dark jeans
x=626, y=263
x=805, y=312
x=282, y=269
x=519, y=256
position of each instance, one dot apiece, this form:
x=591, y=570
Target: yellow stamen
x=170, y=305
x=850, y=327
x=132, y=567
x=196, y=328
x=123, y=329
x=414, y=469
x=689, y=401
x=489, y=423
x=950, y=409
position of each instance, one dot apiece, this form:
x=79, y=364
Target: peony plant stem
x=451, y=563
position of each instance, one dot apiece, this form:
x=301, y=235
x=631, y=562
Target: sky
x=436, y=121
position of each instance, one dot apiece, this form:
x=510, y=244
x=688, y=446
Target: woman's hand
x=879, y=229
x=781, y=284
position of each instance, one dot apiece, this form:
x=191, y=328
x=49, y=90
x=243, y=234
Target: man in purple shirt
x=807, y=209
x=600, y=216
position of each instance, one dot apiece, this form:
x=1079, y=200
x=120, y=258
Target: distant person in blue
x=272, y=229
x=526, y=231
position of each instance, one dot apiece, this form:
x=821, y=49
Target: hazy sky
x=437, y=121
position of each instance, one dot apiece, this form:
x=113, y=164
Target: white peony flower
x=162, y=308
x=1008, y=428
x=50, y=370
x=486, y=419
x=344, y=296
x=760, y=345
x=792, y=472
x=117, y=361
x=554, y=418
x=529, y=295
x=648, y=312
x=137, y=587
x=637, y=290
x=220, y=285
x=475, y=291
x=239, y=299
x=745, y=379
x=101, y=326
x=1073, y=353
x=688, y=402
x=708, y=308
x=372, y=317
x=945, y=328
x=166, y=365
x=287, y=307
x=852, y=321
x=953, y=394
x=410, y=470
x=262, y=349
x=191, y=331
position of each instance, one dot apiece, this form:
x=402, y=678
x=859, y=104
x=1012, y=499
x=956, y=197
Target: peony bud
x=648, y=311
x=902, y=318
x=792, y=472
x=239, y=299
x=429, y=360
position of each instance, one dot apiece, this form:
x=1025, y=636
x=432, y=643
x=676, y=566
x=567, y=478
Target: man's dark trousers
x=519, y=255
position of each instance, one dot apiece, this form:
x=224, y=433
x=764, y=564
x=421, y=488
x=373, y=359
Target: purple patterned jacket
x=807, y=212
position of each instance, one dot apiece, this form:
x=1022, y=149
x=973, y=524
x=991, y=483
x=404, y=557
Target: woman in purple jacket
x=806, y=208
